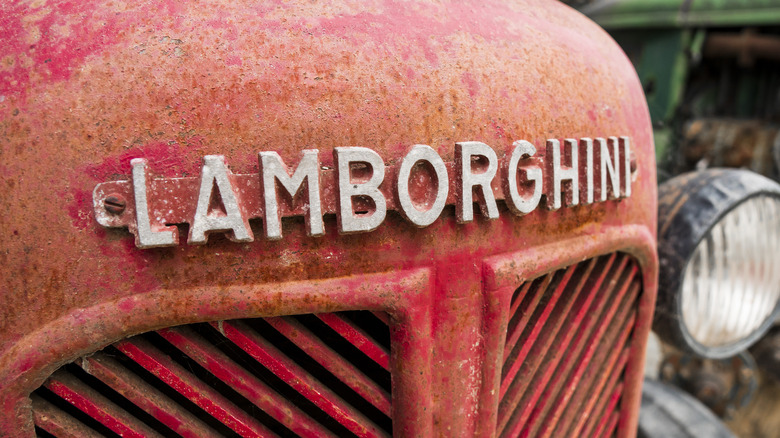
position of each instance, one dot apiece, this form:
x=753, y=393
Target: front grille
x=567, y=345
x=307, y=375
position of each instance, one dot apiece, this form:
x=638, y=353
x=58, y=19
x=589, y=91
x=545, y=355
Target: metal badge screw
x=114, y=203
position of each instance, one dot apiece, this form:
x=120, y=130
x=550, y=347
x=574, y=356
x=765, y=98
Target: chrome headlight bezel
x=690, y=206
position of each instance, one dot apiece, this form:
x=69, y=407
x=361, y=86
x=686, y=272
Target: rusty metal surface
x=86, y=87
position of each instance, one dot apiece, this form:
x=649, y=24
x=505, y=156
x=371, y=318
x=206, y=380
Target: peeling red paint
x=48, y=42
x=81, y=200
x=592, y=115
x=166, y=158
x=471, y=84
x=499, y=130
x=233, y=60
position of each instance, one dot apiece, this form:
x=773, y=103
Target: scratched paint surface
x=85, y=87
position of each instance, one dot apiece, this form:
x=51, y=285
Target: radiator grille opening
x=42, y=433
x=566, y=349
x=306, y=375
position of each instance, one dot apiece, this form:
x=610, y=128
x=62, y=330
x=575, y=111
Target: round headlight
x=718, y=243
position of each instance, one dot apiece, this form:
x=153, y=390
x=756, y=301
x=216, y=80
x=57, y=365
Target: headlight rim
x=682, y=225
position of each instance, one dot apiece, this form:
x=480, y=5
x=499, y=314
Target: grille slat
x=582, y=392
x=521, y=292
x=357, y=337
x=306, y=375
x=521, y=315
x=617, y=311
x=577, y=364
x=188, y=385
x=554, y=378
x=602, y=416
x=382, y=316
x=610, y=425
x=143, y=395
x=547, y=377
x=604, y=389
x=598, y=405
x=572, y=397
x=295, y=376
x=333, y=362
x=53, y=420
x=531, y=337
x=97, y=406
x=243, y=382
x=547, y=349
x=598, y=306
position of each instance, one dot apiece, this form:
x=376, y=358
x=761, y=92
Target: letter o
x=421, y=152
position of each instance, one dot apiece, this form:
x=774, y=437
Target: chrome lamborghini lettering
x=560, y=174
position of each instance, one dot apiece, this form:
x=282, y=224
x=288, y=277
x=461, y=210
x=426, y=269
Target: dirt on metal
x=85, y=87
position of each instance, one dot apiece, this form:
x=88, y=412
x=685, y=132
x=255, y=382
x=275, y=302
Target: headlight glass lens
x=732, y=282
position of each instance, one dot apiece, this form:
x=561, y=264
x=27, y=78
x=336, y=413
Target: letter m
x=273, y=169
